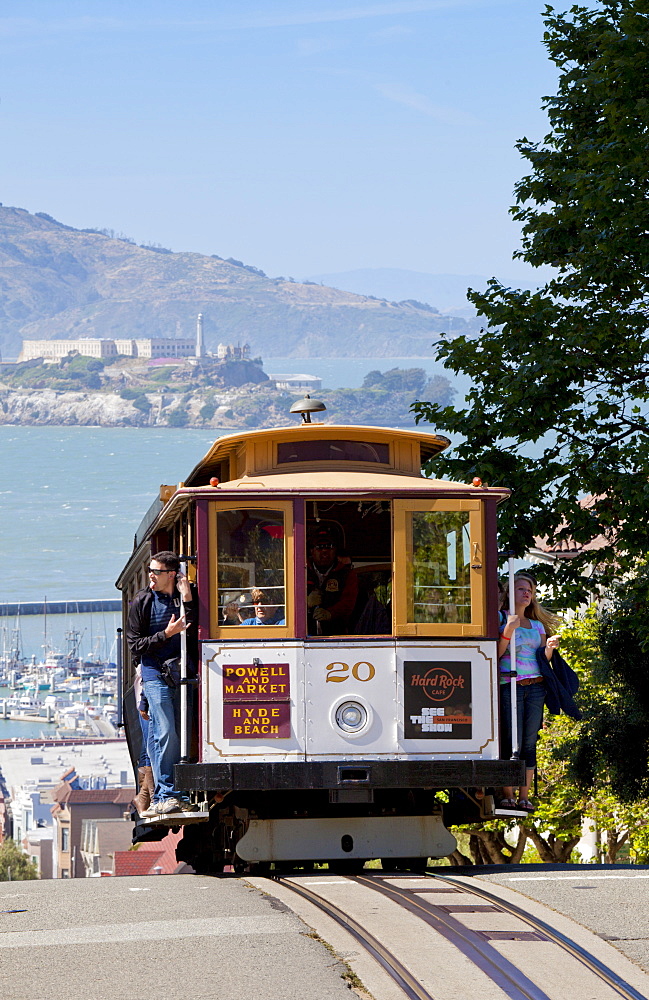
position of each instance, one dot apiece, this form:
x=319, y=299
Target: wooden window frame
x=332, y=465
x=252, y=632
x=403, y=558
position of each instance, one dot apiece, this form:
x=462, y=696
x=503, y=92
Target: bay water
x=71, y=499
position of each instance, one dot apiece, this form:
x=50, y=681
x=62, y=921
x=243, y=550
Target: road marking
x=330, y=881
x=151, y=930
x=558, y=878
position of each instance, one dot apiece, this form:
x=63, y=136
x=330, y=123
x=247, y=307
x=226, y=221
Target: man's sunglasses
x=157, y=572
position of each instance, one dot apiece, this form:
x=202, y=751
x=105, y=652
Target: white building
x=90, y=347
x=32, y=775
x=54, y=350
x=297, y=383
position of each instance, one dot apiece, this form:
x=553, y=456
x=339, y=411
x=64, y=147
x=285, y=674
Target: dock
x=82, y=607
x=40, y=743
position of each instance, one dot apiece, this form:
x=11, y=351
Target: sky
x=299, y=136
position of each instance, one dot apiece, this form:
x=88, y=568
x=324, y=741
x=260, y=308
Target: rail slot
x=395, y=969
x=581, y=954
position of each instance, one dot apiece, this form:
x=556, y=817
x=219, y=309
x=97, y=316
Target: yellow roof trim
x=227, y=446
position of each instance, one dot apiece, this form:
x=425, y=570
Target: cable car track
x=474, y=944
x=574, y=949
x=398, y=972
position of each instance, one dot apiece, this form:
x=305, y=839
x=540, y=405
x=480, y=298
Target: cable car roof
x=253, y=452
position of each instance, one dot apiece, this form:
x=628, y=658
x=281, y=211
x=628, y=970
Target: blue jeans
x=530, y=699
x=164, y=735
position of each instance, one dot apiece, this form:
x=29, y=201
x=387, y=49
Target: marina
x=59, y=694
x=24, y=717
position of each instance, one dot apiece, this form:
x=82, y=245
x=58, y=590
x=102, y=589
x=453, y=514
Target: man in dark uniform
x=332, y=587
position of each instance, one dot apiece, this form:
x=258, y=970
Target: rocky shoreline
x=121, y=392
x=232, y=408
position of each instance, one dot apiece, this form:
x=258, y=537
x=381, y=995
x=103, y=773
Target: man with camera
x=155, y=622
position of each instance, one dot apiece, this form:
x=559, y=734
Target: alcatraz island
x=134, y=361
x=176, y=383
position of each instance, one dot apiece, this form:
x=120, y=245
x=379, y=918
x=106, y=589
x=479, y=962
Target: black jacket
x=339, y=590
x=138, y=626
x=561, y=683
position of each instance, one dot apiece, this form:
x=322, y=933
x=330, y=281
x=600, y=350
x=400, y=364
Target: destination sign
x=437, y=702
x=271, y=720
x=256, y=682
x=256, y=701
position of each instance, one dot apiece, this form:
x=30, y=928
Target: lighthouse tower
x=200, y=350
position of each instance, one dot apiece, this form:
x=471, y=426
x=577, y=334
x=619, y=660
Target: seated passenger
x=231, y=614
x=265, y=613
x=332, y=587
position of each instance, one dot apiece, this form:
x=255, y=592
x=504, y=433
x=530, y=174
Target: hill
x=446, y=291
x=60, y=282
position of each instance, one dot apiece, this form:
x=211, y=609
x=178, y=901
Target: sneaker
x=151, y=812
x=188, y=807
x=167, y=806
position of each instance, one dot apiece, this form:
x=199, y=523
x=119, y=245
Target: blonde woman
x=533, y=625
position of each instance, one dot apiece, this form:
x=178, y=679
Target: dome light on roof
x=306, y=407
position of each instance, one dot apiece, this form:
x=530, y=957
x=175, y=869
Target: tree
x=598, y=769
x=619, y=726
x=142, y=403
x=558, y=409
x=178, y=418
x=591, y=770
x=207, y=411
x=14, y=865
x=398, y=380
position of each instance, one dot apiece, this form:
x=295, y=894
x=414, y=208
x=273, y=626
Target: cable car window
x=332, y=451
x=439, y=586
x=250, y=559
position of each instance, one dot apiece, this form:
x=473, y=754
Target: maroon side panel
x=299, y=543
x=203, y=569
x=160, y=542
x=491, y=567
x=203, y=585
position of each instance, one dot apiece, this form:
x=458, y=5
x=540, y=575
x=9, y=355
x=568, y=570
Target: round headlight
x=351, y=717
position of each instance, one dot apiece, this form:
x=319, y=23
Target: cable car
x=356, y=715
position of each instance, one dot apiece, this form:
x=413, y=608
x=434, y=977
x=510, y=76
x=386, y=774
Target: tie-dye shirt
x=528, y=640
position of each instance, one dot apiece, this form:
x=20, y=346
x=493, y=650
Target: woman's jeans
x=164, y=735
x=529, y=713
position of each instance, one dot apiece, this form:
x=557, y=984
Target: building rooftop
x=108, y=762
x=64, y=793
x=150, y=857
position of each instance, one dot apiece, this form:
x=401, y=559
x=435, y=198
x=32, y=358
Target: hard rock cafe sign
x=437, y=702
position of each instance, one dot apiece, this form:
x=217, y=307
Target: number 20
x=339, y=672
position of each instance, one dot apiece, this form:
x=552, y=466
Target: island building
x=297, y=383
x=100, y=347
x=233, y=352
x=139, y=347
